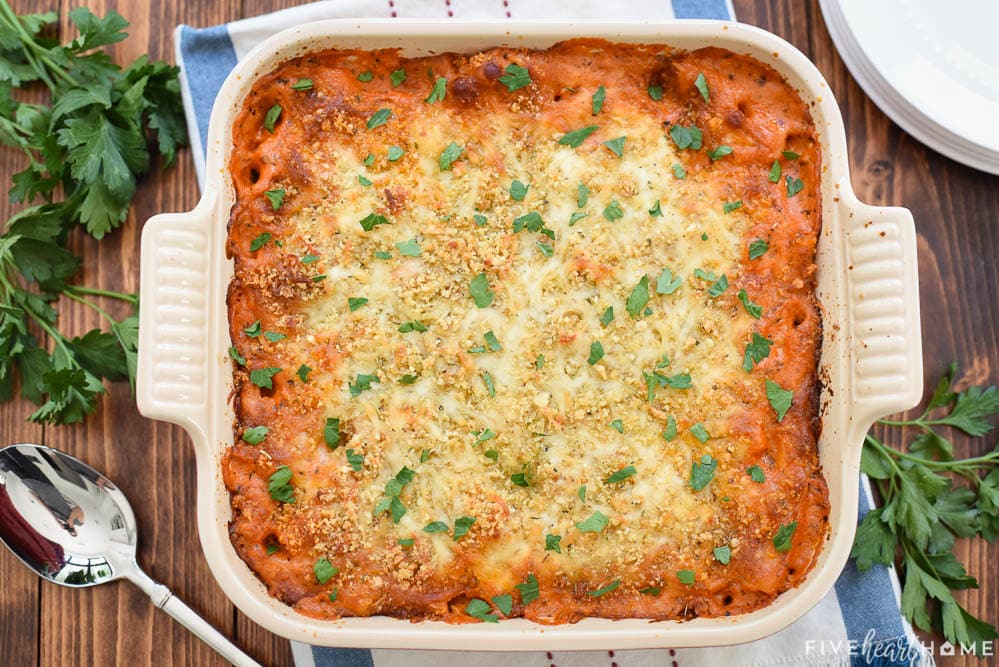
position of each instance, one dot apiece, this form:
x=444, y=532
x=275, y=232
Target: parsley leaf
x=275, y=197
x=331, y=432
x=756, y=474
x=782, y=540
x=686, y=577
x=774, y=176
x=621, y=475
x=600, y=592
x=608, y=316
x=758, y=248
x=254, y=435
x=365, y=76
x=702, y=86
x=449, y=155
x=435, y=527
x=616, y=146
x=794, y=186
x=361, y=384
x=723, y=554
x=686, y=137
x=518, y=191
x=595, y=523
x=790, y=155
x=754, y=310
x=461, y=526
x=757, y=350
x=730, y=206
x=613, y=211
x=302, y=84
x=699, y=432
x=719, y=152
x=259, y=242
x=236, y=356
x=372, y=220
x=438, y=92
x=481, y=610
x=666, y=283
x=504, y=603
x=355, y=302
x=582, y=195
x=379, y=118
x=655, y=92
x=516, y=77
x=638, y=298
x=410, y=248
x=780, y=399
x=576, y=138
x=529, y=590
x=262, y=377
x=553, y=543
x=395, y=153
x=487, y=380
x=415, y=325
x=397, y=77
x=598, y=99
x=617, y=425
x=679, y=173
x=596, y=352
x=492, y=341
x=669, y=434
x=479, y=289
x=273, y=114
x=701, y=473
x=279, y=485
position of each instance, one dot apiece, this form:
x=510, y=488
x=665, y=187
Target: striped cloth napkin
x=857, y=623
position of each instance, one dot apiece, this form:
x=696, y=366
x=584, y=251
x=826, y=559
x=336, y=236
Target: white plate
x=931, y=66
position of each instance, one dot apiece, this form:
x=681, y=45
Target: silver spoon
x=72, y=526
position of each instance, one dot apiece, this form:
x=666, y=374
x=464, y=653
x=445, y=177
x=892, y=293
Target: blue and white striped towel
x=858, y=623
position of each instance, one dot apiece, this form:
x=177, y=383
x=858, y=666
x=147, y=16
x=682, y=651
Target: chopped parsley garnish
x=516, y=77
x=790, y=155
x=702, y=86
x=236, y=356
x=331, y=432
x=701, y=473
x=272, y=117
x=638, y=298
x=598, y=99
x=582, y=195
x=532, y=222
x=518, y=191
x=492, y=341
x=408, y=379
x=382, y=254
x=363, y=180
x=365, y=76
x=595, y=523
x=302, y=84
x=260, y=241
x=679, y=173
x=651, y=590
x=324, y=570
x=362, y=383
x=686, y=137
x=576, y=217
x=719, y=152
x=730, y=206
x=395, y=153
x=524, y=477
x=483, y=436
x=553, y=543
x=279, y=485
x=621, y=475
x=255, y=434
x=391, y=503
x=774, y=176
x=782, y=540
x=410, y=248
x=355, y=460
x=758, y=248
x=794, y=186
x=435, y=527
x=274, y=336
x=581, y=493
x=616, y=146
x=718, y=284
x=504, y=603
x=657, y=210
x=529, y=590
x=617, y=425
x=379, y=118
x=670, y=433
x=605, y=590
x=481, y=610
x=355, y=302
x=756, y=474
x=309, y=259
x=653, y=380
x=754, y=310
x=449, y=155
x=462, y=525
x=275, y=197
x=397, y=77
x=575, y=138
x=253, y=330
x=656, y=92
x=303, y=373
x=608, y=316
x=780, y=399
x=262, y=377
x=723, y=554
x=425, y=455
x=699, y=432
x=480, y=219
x=487, y=380
x=438, y=92
x=369, y=160
x=415, y=325
x=686, y=577
x=539, y=363
x=613, y=211
x=596, y=352
x=757, y=350
x=273, y=549
x=406, y=542
x=666, y=283
x=491, y=454
x=479, y=289
x=372, y=220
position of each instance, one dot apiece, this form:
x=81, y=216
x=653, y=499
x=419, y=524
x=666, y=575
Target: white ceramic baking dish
x=867, y=284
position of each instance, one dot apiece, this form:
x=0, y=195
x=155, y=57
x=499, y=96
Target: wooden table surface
x=957, y=217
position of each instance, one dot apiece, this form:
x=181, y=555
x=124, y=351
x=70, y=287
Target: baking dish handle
x=883, y=280
x=172, y=377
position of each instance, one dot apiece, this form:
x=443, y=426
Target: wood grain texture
x=957, y=217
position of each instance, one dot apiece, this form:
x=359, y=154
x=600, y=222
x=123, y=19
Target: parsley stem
x=29, y=47
x=90, y=291
x=979, y=461
x=91, y=304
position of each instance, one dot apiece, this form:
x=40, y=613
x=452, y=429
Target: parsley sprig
x=924, y=511
x=89, y=144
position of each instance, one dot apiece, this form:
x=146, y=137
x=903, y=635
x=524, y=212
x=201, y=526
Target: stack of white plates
x=931, y=65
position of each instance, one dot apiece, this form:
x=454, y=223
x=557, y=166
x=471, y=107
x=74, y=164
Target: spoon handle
x=206, y=632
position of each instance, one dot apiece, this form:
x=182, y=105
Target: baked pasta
x=525, y=333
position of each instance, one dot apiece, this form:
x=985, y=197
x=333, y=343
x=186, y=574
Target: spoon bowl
x=72, y=526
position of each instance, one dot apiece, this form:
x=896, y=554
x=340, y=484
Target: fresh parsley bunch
x=924, y=510
x=85, y=150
